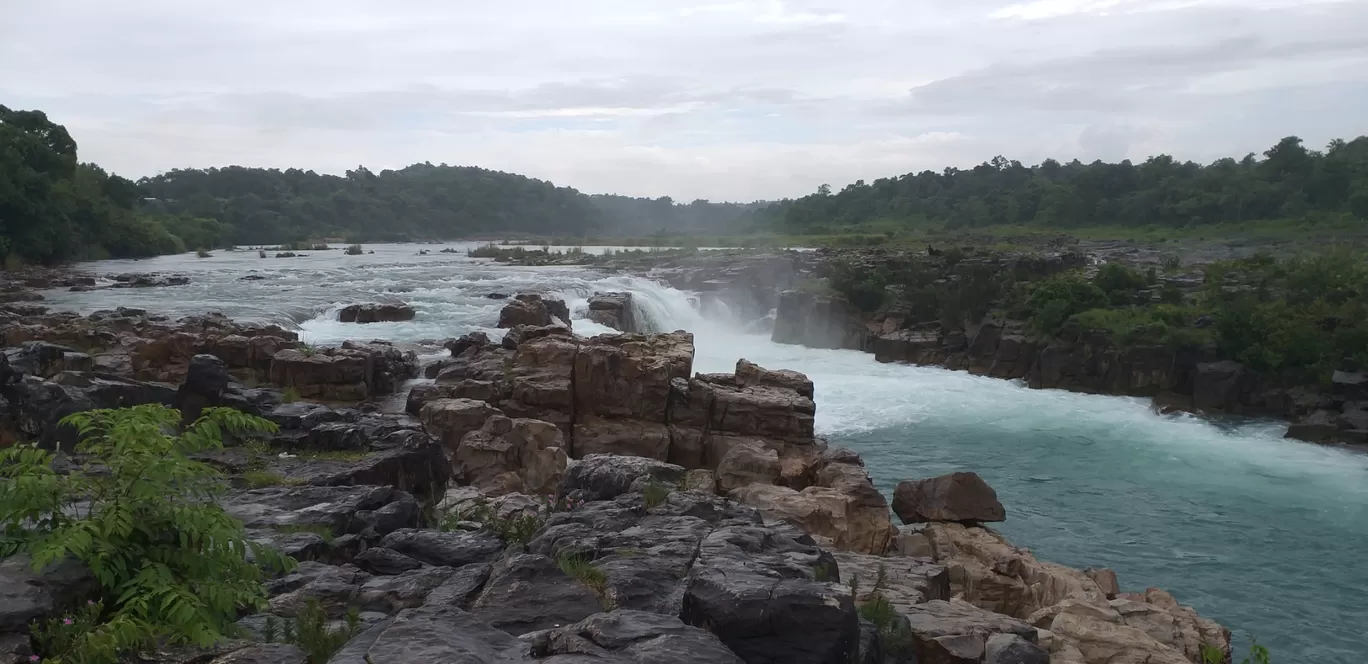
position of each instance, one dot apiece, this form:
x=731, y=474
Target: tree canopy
x=1290, y=181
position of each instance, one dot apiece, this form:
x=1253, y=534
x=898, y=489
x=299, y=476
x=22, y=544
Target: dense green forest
x=54, y=208
x=1290, y=182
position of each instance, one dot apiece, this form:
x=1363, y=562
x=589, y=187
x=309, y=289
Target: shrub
x=289, y=395
x=514, y=528
x=866, y=287
x=171, y=565
x=1053, y=301
x=655, y=493
x=1120, y=283
x=313, y=635
x=894, y=631
x=354, y=250
x=583, y=570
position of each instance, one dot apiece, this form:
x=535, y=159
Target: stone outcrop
x=534, y=310
x=375, y=313
x=962, y=497
x=819, y=321
x=351, y=372
x=614, y=310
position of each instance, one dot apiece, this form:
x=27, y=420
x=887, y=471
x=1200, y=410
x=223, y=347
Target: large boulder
x=449, y=420
x=614, y=310
x=745, y=464
x=819, y=511
x=532, y=309
x=629, y=437
x=455, y=549
x=957, y=497
x=375, y=313
x=433, y=635
x=529, y=592
x=954, y=632
x=629, y=375
x=541, y=380
x=819, y=321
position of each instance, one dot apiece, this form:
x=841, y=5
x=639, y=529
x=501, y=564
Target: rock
x=1105, y=580
x=541, y=380
x=958, y=497
x=1218, y=385
x=1012, y=649
x=819, y=511
x=375, y=313
x=818, y=321
x=902, y=581
x=1099, y=635
x=717, y=405
x=472, y=340
x=700, y=479
x=745, y=464
x=524, y=333
x=45, y=360
x=749, y=373
x=393, y=593
x=530, y=309
x=636, y=637
x=15, y=649
x=444, y=549
x=433, y=635
x=461, y=588
x=206, y=381
x=265, y=653
x=26, y=595
x=512, y=455
x=382, y=560
x=763, y=610
x=272, y=513
x=614, y=310
x=528, y=592
x=604, y=476
x=957, y=633
x=627, y=437
x=629, y=375
x=449, y=420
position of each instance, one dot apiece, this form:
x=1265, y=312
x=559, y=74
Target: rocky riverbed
x=560, y=498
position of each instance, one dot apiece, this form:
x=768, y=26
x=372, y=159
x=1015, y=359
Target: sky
x=722, y=100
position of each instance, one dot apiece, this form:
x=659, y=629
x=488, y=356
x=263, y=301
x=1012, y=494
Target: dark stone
x=26, y=595
x=636, y=637
x=606, y=476
x=381, y=560
x=1012, y=649
x=265, y=653
x=959, y=497
x=461, y=588
x=433, y=635
x=529, y=592
x=445, y=549
x=375, y=313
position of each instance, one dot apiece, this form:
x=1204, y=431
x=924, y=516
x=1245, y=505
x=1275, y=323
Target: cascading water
x=1263, y=534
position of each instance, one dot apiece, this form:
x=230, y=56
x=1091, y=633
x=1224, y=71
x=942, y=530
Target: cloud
x=721, y=99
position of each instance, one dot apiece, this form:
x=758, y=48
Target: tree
x=144, y=518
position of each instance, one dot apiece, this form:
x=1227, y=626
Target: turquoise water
x=1265, y=535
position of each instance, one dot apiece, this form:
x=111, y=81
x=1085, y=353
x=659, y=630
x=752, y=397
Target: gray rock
x=265, y=653
x=434, y=635
x=1012, y=649
x=529, y=592
x=637, y=637
x=959, y=497
x=461, y=588
x=444, y=549
x=956, y=632
x=381, y=560
x=26, y=595
x=607, y=476
x=391, y=594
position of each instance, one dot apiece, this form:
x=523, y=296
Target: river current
x=1267, y=536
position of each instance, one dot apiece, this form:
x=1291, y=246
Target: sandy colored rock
x=508, y=455
x=745, y=464
x=449, y=420
x=818, y=511
x=628, y=375
x=630, y=437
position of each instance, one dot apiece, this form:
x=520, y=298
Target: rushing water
x=1265, y=535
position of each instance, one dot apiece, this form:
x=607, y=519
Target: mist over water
x=1265, y=535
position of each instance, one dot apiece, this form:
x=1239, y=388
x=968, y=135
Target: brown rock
x=375, y=313
x=449, y=420
x=1105, y=579
x=614, y=310
x=508, y=455
x=745, y=464
x=749, y=373
x=628, y=375
x=958, y=497
x=818, y=511
x=631, y=437
x=530, y=309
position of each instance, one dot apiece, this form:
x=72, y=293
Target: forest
x=55, y=208
x=1289, y=182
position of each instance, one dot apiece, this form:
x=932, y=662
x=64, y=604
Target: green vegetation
x=823, y=572
x=172, y=567
x=260, y=479
x=517, y=527
x=1257, y=655
x=583, y=570
x=1290, y=182
x=322, y=531
x=311, y=631
x=290, y=394
x=894, y=631
x=655, y=493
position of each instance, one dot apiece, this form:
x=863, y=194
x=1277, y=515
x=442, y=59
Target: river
x=1265, y=535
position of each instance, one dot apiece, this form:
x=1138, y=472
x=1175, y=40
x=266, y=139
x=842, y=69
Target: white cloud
x=720, y=99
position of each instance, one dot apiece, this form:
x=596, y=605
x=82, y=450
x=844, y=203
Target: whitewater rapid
x=1264, y=534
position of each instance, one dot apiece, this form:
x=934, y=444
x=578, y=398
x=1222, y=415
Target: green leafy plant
x=583, y=570
x=74, y=637
x=894, y=631
x=171, y=565
x=512, y=528
x=823, y=572
x=289, y=395
x=655, y=493
x=1215, y=655
x=314, y=635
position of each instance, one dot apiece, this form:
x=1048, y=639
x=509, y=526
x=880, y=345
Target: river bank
x=1225, y=545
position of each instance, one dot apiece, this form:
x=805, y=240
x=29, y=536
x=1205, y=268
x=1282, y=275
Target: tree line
x=1290, y=181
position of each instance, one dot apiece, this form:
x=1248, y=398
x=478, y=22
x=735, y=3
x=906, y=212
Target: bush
x=354, y=250
x=172, y=566
x=1120, y=283
x=655, y=493
x=1053, y=301
x=866, y=287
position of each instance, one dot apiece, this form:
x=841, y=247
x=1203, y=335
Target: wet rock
x=382, y=560
x=767, y=610
x=265, y=653
x=528, y=592
x=614, y=310
x=604, y=476
x=449, y=420
x=393, y=593
x=26, y=595
x=455, y=549
x=532, y=309
x=635, y=637
x=433, y=635
x=45, y=360
x=273, y=513
x=818, y=321
x=745, y=464
x=1012, y=649
x=958, y=497
x=375, y=313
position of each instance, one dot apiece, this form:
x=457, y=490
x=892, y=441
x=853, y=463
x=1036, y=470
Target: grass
x=322, y=531
x=893, y=628
x=514, y=528
x=655, y=493
x=334, y=455
x=311, y=632
x=260, y=479
x=582, y=569
x=823, y=573
x=289, y=395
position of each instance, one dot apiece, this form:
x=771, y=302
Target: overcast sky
x=726, y=100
